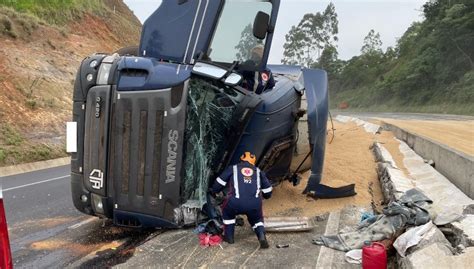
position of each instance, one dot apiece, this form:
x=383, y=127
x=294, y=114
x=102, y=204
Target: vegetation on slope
x=27, y=14
x=55, y=11
x=42, y=43
x=429, y=70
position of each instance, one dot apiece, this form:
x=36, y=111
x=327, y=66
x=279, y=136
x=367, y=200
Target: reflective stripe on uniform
x=255, y=84
x=267, y=190
x=236, y=182
x=220, y=181
x=229, y=221
x=258, y=183
x=256, y=225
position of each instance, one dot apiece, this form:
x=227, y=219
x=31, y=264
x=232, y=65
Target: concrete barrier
x=450, y=206
x=457, y=166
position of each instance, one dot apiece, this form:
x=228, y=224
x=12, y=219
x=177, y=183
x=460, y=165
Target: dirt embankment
x=38, y=62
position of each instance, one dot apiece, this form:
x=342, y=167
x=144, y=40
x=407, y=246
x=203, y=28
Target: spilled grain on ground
x=349, y=159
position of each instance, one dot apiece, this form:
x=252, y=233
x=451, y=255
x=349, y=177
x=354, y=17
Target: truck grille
x=136, y=149
x=146, y=152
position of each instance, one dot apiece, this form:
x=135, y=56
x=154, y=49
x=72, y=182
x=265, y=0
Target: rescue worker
x=246, y=184
x=261, y=81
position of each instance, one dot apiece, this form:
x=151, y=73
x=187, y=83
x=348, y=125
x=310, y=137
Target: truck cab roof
x=221, y=31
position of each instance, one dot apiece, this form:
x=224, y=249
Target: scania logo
x=172, y=152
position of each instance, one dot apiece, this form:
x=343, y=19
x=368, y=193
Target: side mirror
x=260, y=25
x=233, y=79
x=209, y=70
x=216, y=72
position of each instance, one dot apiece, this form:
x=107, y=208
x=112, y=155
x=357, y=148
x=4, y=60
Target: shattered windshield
x=234, y=39
x=209, y=114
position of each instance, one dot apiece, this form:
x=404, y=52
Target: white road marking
x=36, y=183
x=326, y=254
x=77, y=225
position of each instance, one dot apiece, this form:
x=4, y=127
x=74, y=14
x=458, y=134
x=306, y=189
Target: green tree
x=330, y=26
x=305, y=41
x=295, y=47
x=430, y=69
x=329, y=61
x=372, y=43
x=246, y=43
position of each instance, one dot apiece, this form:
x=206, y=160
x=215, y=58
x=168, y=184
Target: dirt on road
x=349, y=159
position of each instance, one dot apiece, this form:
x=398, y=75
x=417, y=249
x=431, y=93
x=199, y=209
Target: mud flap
x=316, y=85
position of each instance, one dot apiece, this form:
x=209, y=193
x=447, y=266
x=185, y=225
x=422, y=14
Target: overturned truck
x=154, y=128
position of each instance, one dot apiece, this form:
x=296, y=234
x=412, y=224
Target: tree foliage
x=314, y=33
x=430, y=69
x=372, y=43
x=246, y=43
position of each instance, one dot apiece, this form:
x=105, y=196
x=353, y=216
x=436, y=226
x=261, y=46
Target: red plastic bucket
x=374, y=256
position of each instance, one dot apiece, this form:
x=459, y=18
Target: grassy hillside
x=55, y=11
x=431, y=68
x=42, y=43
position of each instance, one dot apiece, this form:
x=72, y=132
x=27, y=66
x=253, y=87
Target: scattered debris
x=209, y=240
x=321, y=217
x=429, y=248
x=354, y=256
x=288, y=224
x=367, y=216
x=437, y=255
x=464, y=231
x=411, y=238
x=411, y=209
x=209, y=233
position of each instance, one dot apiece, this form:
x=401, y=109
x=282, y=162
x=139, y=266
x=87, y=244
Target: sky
x=356, y=18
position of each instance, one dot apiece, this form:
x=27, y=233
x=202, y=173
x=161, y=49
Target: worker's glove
x=211, y=193
x=267, y=195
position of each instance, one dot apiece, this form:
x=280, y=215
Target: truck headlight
x=97, y=204
x=104, y=71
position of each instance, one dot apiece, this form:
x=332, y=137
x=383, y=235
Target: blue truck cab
x=155, y=129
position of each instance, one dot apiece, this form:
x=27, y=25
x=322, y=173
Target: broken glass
x=209, y=114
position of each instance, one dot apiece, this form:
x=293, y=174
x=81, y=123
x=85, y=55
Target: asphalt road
x=46, y=231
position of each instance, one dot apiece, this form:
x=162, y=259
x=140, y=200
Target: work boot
x=229, y=233
x=262, y=239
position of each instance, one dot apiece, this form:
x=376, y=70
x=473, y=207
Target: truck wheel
x=130, y=51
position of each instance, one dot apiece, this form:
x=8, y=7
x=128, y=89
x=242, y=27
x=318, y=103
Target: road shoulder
x=30, y=167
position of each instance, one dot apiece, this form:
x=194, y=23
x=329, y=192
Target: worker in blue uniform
x=246, y=184
x=257, y=81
